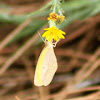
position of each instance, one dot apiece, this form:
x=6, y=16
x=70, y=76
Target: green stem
x=52, y=23
x=56, y=8
x=55, y=5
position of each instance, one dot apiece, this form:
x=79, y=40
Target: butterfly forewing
x=46, y=67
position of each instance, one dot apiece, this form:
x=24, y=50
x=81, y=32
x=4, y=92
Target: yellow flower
x=53, y=33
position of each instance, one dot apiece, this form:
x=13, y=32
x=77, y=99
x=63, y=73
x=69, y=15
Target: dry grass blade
x=29, y=67
x=17, y=98
x=90, y=71
x=92, y=96
x=82, y=70
x=19, y=53
x=72, y=53
x=77, y=33
x=70, y=92
x=14, y=33
x=65, y=92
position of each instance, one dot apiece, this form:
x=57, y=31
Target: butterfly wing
x=46, y=67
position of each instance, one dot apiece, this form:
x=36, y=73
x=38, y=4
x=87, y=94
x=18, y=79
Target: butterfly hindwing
x=49, y=66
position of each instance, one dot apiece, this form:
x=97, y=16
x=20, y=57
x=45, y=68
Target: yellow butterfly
x=46, y=66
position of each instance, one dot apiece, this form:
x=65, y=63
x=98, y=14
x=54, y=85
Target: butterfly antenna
x=41, y=36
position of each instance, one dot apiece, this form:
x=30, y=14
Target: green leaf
x=46, y=6
x=77, y=4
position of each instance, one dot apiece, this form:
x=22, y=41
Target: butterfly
x=46, y=66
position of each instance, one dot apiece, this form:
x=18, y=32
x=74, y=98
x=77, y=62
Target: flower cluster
x=55, y=17
x=53, y=33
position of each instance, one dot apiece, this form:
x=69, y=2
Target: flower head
x=55, y=17
x=53, y=33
